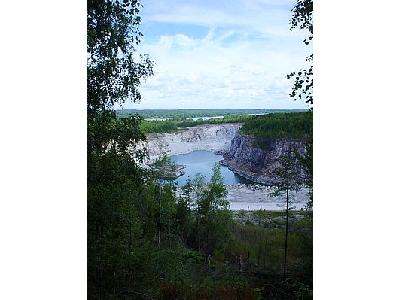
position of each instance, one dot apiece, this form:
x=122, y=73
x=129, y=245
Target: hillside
x=280, y=126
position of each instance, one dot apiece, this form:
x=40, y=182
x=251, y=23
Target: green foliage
x=174, y=125
x=144, y=241
x=185, y=114
x=293, y=126
x=288, y=181
x=115, y=181
x=165, y=121
x=164, y=169
x=263, y=120
x=307, y=164
x=159, y=126
x=303, y=85
x=303, y=17
x=262, y=252
x=212, y=217
x=287, y=173
x=113, y=73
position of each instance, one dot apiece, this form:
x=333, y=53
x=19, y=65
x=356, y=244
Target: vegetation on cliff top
x=280, y=126
x=292, y=125
x=183, y=114
x=174, y=125
x=171, y=120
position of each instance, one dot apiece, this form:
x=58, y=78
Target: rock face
x=245, y=158
x=204, y=137
x=241, y=153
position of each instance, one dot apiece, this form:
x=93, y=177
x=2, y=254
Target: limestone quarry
x=204, y=137
x=241, y=155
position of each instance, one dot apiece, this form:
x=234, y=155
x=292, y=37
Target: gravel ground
x=255, y=197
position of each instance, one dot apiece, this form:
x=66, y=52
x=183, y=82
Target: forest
x=280, y=126
x=182, y=114
x=175, y=125
x=144, y=240
x=266, y=128
x=293, y=124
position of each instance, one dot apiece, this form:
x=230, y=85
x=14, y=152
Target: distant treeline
x=294, y=125
x=181, y=114
x=174, y=125
x=278, y=126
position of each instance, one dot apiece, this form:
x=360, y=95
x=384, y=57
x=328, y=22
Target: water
x=242, y=194
x=202, y=162
x=205, y=118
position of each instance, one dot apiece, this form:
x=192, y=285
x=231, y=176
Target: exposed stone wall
x=247, y=159
x=241, y=152
x=204, y=137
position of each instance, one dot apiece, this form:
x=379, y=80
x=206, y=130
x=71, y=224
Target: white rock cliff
x=203, y=137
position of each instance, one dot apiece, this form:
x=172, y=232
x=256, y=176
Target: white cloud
x=209, y=73
x=241, y=62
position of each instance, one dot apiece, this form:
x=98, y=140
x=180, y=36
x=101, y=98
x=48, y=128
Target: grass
x=263, y=248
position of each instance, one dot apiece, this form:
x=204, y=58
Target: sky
x=220, y=54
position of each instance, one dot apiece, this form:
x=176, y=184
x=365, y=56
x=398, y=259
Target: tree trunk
x=286, y=233
x=130, y=239
x=159, y=218
x=198, y=234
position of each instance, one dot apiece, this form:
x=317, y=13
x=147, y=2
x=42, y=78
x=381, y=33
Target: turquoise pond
x=202, y=162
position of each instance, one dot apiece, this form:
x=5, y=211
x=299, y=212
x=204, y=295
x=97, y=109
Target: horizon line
x=212, y=108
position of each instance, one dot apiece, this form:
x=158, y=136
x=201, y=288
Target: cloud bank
x=240, y=60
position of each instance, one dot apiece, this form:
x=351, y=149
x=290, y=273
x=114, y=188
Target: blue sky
x=220, y=54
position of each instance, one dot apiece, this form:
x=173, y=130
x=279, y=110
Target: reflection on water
x=202, y=162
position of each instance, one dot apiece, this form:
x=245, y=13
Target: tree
x=288, y=181
x=307, y=164
x=115, y=180
x=183, y=212
x=114, y=72
x=212, y=213
x=303, y=18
